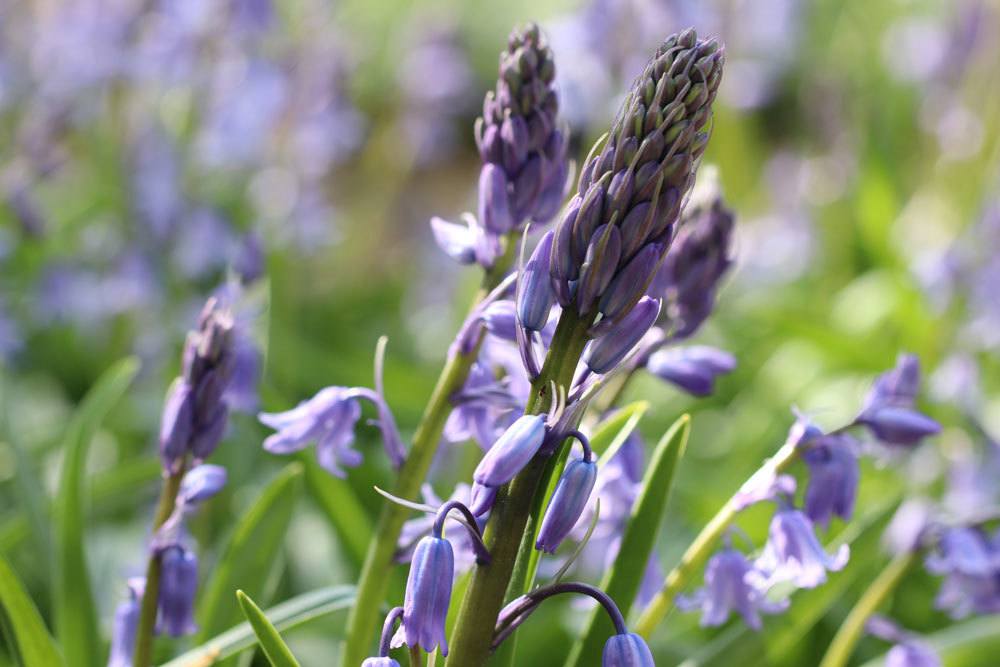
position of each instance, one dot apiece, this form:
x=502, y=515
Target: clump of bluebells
x=620, y=285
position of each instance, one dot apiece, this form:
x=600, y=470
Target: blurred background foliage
x=152, y=151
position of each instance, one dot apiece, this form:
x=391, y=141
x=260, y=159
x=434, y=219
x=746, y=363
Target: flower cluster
x=523, y=149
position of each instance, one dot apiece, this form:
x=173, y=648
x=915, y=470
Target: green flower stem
x=373, y=582
x=473, y=634
x=702, y=547
x=147, y=616
x=850, y=632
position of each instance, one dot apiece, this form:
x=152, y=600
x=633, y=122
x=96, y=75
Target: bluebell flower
x=125, y=625
x=727, y=590
x=458, y=241
x=178, y=585
x=515, y=448
x=693, y=368
x=328, y=419
x=626, y=650
x=534, y=292
x=888, y=410
x=485, y=406
x=912, y=654
x=604, y=353
x=380, y=662
x=793, y=554
x=428, y=595
x=970, y=563
x=567, y=503
x=201, y=483
x=833, y=478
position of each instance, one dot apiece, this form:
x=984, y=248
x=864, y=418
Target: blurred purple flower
x=693, y=368
x=793, y=554
x=833, y=478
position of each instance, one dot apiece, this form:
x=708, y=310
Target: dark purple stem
x=470, y=524
x=588, y=454
x=388, y=628
x=518, y=611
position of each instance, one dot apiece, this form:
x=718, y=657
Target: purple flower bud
x=626, y=650
x=833, y=478
x=500, y=318
x=208, y=433
x=693, y=368
x=178, y=585
x=494, y=201
x=482, y=498
x=176, y=424
x=631, y=282
x=599, y=267
x=898, y=426
x=793, y=554
x=726, y=590
x=511, y=452
x=898, y=386
x=125, y=625
x=428, y=594
x=201, y=483
x=379, y=662
x=567, y=504
x=604, y=353
x=457, y=241
x=534, y=294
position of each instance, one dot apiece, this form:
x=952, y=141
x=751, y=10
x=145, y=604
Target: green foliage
x=252, y=558
x=24, y=631
x=622, y=581
x=270, y=641
x=75, y=615
x=284, y=617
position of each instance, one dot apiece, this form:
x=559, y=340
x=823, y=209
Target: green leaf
x=612, y=433
x=75, y=615
x=341, y=508
x=284, y=617
x=277, y=652
x=23, y=629
x=250, y=558
x=622, y=581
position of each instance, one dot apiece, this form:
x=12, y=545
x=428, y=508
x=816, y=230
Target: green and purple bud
x=534, y=293
x=567, y=503
x=604, y=353
x=511, y=452
x=637, y=180
x=626, y=650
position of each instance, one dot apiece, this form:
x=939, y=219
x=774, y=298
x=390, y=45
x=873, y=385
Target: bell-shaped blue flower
x=201, y=483
x=567, y=503
x=125, y=624
x=511, y=452
x=897, y=425
x=178, y=585
x=328, y=419
x=380, y=662
x=458, y=241
x=833, y=478
x=793, y=554
x=727, y=590
x=428, y=594
x=912, y=654
x=626, y=650
x=692, y=368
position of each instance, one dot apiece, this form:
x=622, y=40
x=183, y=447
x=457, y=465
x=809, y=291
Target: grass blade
x=75, y=614
x=23, y=629
x=277, y=652
x=622, y=581
x=284, y=617
x=339, y=504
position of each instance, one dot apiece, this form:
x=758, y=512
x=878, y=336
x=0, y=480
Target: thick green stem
x=850, y=632
x=372, y=584
x=147, y=615
x=473, y=635
x=702, y=547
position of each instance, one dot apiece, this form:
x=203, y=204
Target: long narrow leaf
x=249, y=559
x=623, y=579
x=285, y=616
x=277, y=652
x=24, y=632
x=75, y=615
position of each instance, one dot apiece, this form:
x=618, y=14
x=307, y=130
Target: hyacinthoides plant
x=627, y=276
